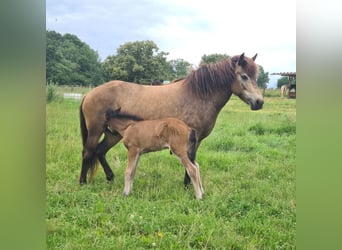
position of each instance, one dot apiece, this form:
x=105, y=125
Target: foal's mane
x=110, y=113
x=210, y=78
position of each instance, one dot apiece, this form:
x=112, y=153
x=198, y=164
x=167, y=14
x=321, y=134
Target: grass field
x=248, y=174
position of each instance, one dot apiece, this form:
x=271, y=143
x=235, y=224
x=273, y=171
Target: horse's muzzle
x=257, y=104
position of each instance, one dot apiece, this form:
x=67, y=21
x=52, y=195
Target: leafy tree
x=213, y=58
x=284, y=80
x=71, y=61
x=263, y=78
x=54, y=58
x=179, y=68
x=138, y=62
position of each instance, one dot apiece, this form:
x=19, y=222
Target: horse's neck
x=220, y=99
x=202, y=113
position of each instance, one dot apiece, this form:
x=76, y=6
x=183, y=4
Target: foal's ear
x=254, y=57
x=241, y=59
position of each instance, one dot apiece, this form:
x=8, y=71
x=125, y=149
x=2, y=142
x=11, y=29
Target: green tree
x=284, y=80
x=138, y=62
x=179, y=68
x=263, y=78
x=71, y=61
x=54, y=58
x=213, y=58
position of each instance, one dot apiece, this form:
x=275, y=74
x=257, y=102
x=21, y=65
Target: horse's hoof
x=199, y=197
x=83, y=181
x=110, y=178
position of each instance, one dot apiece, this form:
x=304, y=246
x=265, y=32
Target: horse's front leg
x=187, y=180
x=186, y=177
x=107, y=143
x=133, y=159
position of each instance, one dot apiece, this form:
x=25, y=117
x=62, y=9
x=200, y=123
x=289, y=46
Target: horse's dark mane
x=210, y=78
x=110, y=113
x=178, y=79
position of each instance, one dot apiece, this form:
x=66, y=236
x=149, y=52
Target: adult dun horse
x=142, y=136
x=197, y=100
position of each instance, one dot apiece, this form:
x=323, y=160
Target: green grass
x=247, y=169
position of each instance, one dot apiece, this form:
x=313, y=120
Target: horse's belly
x=154, y=148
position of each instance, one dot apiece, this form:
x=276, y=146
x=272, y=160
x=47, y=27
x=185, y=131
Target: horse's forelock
x=235, y=59
x=251, y=68
x=248, y=65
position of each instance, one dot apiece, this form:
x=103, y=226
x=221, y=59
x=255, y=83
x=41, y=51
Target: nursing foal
x=143, y=136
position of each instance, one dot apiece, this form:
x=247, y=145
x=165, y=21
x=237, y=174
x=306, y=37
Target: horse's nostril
x=257, y=105
x=260, y=103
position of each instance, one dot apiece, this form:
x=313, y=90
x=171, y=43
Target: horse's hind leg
x=108, y=142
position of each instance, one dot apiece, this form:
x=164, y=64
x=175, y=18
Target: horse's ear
x=241, y=59
x=254, y=57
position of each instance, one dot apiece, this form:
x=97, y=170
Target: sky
x=186, y=29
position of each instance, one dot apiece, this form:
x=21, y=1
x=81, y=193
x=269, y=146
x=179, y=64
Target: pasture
x=247, y=166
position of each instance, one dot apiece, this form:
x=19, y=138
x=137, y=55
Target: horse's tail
x=84, y=133
x=192, y=146
x=84, y=130
x=93, y=167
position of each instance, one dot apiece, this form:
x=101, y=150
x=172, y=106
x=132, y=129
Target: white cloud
x=185, y=29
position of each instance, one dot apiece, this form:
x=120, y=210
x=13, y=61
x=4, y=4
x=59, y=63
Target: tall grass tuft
x=51, y=92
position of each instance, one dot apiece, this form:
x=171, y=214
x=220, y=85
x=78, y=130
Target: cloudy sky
x=186, y=29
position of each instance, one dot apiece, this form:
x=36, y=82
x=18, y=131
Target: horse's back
x=111, y=91
x=131, y=97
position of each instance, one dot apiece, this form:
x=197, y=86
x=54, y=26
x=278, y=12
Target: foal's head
x=117, y=114
x=245, y=82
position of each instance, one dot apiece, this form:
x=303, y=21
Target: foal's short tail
x=192, y=146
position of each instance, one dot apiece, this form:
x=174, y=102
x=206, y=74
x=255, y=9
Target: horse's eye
x=244, y=77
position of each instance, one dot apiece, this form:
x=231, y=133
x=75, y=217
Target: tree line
x=69, y=61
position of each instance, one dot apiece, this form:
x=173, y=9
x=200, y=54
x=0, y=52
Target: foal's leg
x=193, y=172
x=133, y=159
x=200, y=181
x=192, y=155
x=107, y=143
